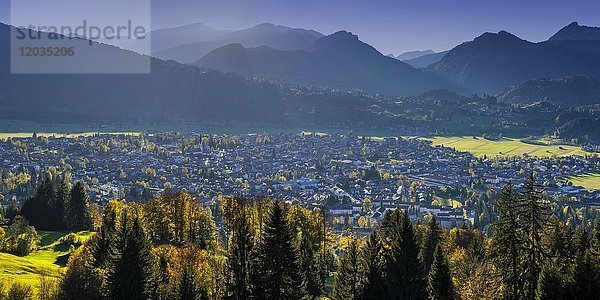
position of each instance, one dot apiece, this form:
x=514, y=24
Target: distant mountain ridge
x=414, y=54
x=338, y=60
x=426, y=60
x=275, y=36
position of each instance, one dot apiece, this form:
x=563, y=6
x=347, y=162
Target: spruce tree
x=405, y=270
x=130, y=272
x=506, y=243
x=586, y=278
x=275, y=269
x=439, y=282
x=430, y=241
x=62, y=201
x=39, y=210
x=551, y=285
x=78, y=217
x=348, y=278
x=188, y=288
x=240, y=247
x=373, y=265
x=309, y=268
x=534, y=215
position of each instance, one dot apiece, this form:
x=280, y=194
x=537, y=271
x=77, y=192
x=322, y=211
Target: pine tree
x=551, y=285
x=348, y=278
x=188, y=288
x=130, y=273
x=39, y=209
x=506, y=243
x=561, y=250
x=240, y=247
x=309, y=268
x=439, y=282
x=582, y=241
x=405, y=271
x=78, y=215
x=275, y=269
x=429, y=244
x=534, y=218
x=373, y=265
x=586, y=278
x=63, y=199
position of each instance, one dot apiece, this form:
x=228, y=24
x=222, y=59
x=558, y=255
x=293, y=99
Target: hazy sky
x=390, y=26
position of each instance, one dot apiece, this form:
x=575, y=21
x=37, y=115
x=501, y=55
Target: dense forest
x=171, y=247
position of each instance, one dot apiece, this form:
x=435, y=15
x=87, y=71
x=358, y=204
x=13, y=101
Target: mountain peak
x=500, y=36
x=343, y=42
x=343, y=34
x=574, y=31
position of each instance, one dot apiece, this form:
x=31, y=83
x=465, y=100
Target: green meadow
x=589, y=181
x=43, y=262
x=479, y=146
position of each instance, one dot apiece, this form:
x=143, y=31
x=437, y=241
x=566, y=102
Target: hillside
x=339, y=60
x=568, y=91
x=43, y=262
x=494, y=61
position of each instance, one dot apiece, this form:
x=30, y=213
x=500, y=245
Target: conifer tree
x=430, y=241
x=534, y=215
x=373, y=265
x=39, y=209
x=348, y=279
x=78, y=217
x=561, y=250
x=275, y=270
x=309, y=268
x=130, y=272
x=240, y=247
x=188, y=288
x=439, y=282
x=551, y=285
x=507, y=239
x=586, y=278
x=405, y=271
x=62, y=201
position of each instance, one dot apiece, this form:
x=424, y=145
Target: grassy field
x=505, y=147
x=30, y=268
x=589, y=181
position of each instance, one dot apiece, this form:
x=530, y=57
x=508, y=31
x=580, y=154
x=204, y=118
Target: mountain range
x=177, y=91
x=171, y=92
x=338, y=60
x=490, y=63
x=493, y=61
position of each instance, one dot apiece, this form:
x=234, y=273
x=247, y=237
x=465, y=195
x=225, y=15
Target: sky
x=390, y=26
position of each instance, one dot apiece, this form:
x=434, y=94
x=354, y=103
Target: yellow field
x=506, y=147
x=589, y=181
x=55, y=134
